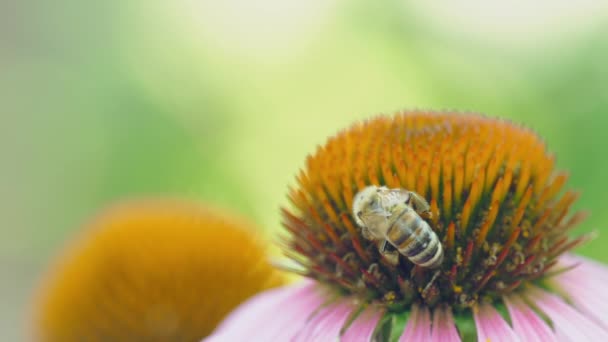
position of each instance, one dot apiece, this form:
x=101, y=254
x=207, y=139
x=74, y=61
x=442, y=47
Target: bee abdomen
x=415, y=239
x=431, y=256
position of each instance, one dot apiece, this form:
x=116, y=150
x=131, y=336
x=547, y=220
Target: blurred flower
x=152, y=270
x=496, y=205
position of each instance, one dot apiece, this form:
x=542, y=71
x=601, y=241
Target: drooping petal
x=364, y=325
x=585, y=287
x=326, y=324
x=444, y=327
x=491, y=326
x=418, y=327
x=273, y=315
x=569, y=323
x=526, y=323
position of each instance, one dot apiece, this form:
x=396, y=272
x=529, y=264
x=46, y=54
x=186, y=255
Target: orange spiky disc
x=494, y=195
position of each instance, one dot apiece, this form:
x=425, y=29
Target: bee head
x=367, y=202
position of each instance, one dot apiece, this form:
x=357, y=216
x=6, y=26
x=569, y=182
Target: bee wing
x=419, y=203
x=396, y=196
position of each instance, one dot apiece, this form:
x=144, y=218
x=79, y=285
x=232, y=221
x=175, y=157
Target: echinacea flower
x=152, y=270
x=499, y=210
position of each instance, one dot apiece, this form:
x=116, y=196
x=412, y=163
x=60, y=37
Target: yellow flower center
x=158, y=270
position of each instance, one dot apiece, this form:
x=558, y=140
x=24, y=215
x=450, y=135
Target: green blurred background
x=222, y=100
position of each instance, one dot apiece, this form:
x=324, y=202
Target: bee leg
x=428, y=286
x=388, y=252
x=366, y=233
x=420, y=205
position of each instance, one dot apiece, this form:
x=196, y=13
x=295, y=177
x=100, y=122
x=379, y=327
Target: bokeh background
x=222, y=100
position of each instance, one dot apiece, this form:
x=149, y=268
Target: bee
x=392, y=218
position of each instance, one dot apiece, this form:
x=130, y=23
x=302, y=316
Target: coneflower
x=499, y=210
x=155, y=270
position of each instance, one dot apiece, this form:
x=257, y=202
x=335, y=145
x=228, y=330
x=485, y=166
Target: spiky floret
x=497, y=203
x=152, y=270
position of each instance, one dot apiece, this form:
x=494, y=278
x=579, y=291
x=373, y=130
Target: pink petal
x=526, y=323
x=255, y=306
x=277, y=314
x=444, y=328
x=326, y=324
x=364, y=325
x=491, y=326
x=585, y=286
x=418, y=326
x=568, y=323
x=572, y=259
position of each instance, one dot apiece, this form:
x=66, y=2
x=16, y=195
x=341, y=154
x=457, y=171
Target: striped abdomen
x=415, y=239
